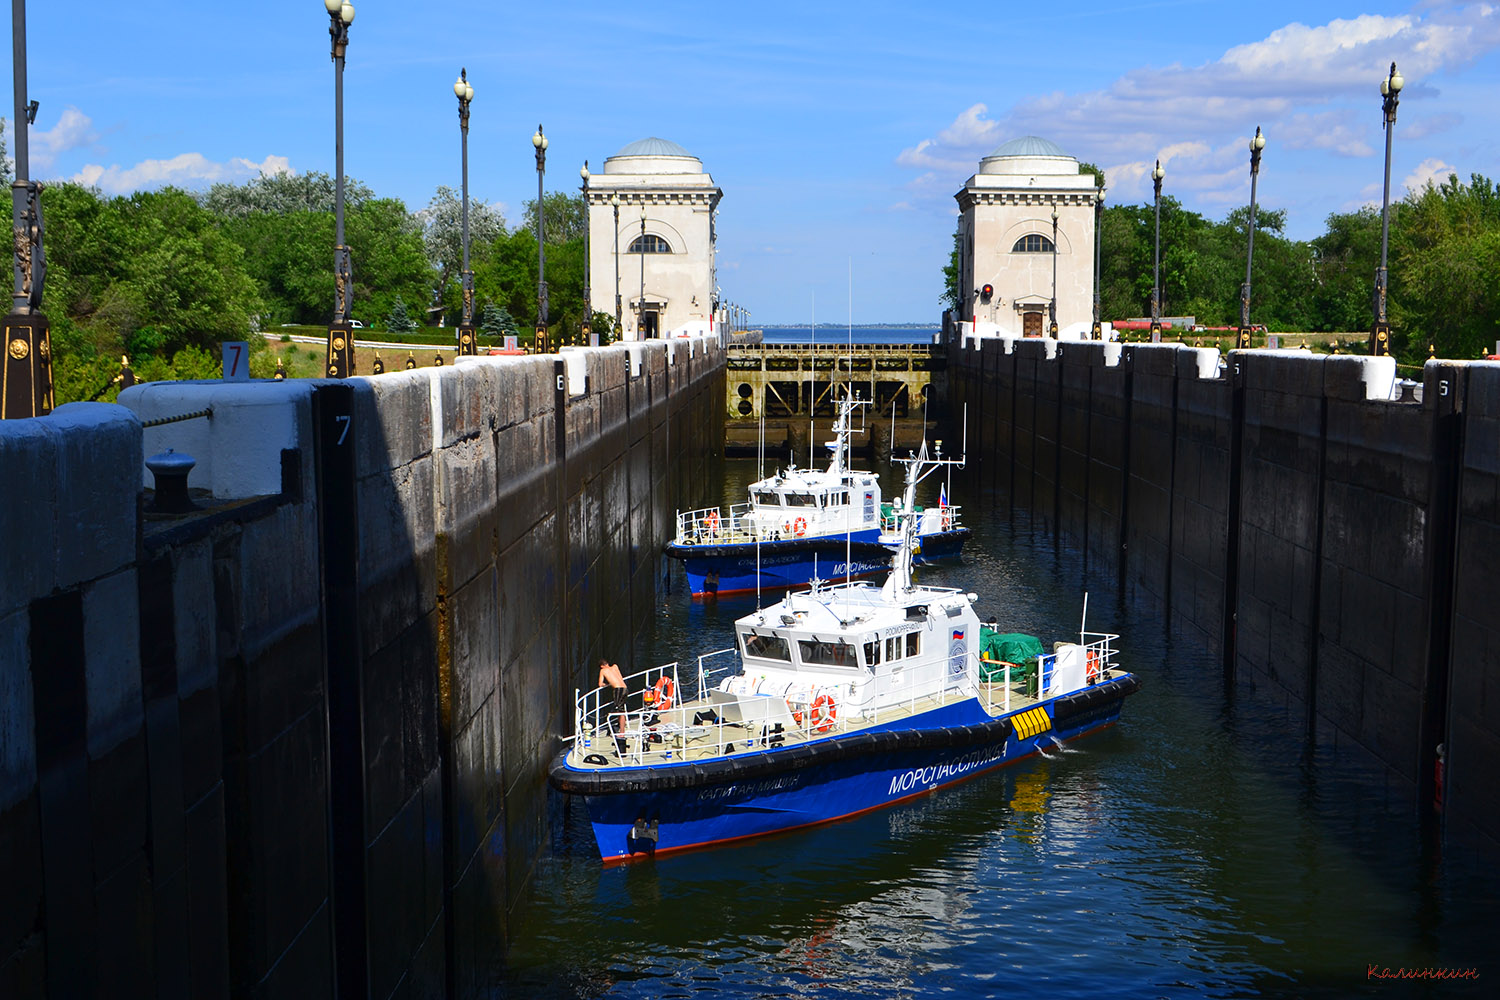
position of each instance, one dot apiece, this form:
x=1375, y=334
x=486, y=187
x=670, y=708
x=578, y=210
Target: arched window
x=1035, y=243
x=649, y=243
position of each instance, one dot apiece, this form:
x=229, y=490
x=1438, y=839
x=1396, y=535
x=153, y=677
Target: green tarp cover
x=1009, y=647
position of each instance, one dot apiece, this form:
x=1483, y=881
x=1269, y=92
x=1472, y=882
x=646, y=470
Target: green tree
x=565, y=215
x=1446, y=254
x=442, y=238
x=397, y=320
x=283, y=194
x=497, y=322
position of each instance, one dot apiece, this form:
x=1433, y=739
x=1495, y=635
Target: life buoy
x=711, y=522
x=824, y=710
x=1091, y=670
x=660, y=696
x=799, y=526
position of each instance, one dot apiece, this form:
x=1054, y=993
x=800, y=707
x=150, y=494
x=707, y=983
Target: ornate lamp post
x=1390, y=92
x=1052, y=306
x=1156, y=178
x=26, y=385
x=466, y=345
x=588, y=305
x=1098, y=331
x=614, y=203
x=1256, y=145
x=640, y=305
x=340, y=354
x=539, y=142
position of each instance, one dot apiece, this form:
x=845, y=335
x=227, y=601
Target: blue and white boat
x=807, y=523
x=834, y=701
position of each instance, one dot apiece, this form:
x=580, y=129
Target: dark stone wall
x=1340, y=551
x=297, y=746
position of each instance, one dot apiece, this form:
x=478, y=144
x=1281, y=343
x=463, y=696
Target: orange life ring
x=824, y=710
x=799, y=526
x=1091, y=670
x=660, y=696
x=711, y=522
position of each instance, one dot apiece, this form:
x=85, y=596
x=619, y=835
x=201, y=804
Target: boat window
x=913, y=643
x=801, y=500
x=768, y=499
x=770, y=647
x=872, y=652
x=826, y=654
x=893, y=648
x=839, y=499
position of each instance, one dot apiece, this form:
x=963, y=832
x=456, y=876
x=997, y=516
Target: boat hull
x=752, y=795
x=794, y=562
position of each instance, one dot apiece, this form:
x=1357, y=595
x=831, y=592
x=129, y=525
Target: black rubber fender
x=742, y=767
x=1079, y=702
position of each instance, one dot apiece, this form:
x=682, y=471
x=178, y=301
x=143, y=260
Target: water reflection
x=1189, y=851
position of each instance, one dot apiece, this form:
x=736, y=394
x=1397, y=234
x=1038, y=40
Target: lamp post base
x=1380, y=340
x=26, y=390
x=467, y=345
x=1242, y=340
x=1155, y=332
x=539, y=342
x=1097, y=332
x=340, y=356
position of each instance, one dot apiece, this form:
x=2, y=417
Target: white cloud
x=183, y=170
x=1430, y=171
x=1313, y=88
x=1330, y=130
x=74, y=130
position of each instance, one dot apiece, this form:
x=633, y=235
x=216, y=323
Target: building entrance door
x=1031, y=324
x=648, y=326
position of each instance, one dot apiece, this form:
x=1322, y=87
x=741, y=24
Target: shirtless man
x=609, y=676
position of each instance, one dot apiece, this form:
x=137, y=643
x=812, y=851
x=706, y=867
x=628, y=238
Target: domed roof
x=652, y=146
x=1027, y=145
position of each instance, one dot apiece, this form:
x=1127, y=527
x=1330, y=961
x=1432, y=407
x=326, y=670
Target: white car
x=356, y=324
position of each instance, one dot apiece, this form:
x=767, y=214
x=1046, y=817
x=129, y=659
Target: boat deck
x=699, y=729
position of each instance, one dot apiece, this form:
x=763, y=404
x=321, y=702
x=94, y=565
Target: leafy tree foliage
x=565, y=215
x=283, y=194
x=442, y=237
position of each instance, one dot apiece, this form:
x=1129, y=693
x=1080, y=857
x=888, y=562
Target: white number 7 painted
x=342, y=418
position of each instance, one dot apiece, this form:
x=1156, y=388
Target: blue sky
x=839, y=132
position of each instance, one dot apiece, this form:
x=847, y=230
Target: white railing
x=708, y=721
x=929, y=519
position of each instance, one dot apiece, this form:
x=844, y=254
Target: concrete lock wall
x=296, y=743
x=1338, y=547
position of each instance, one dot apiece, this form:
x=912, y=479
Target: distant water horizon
x=860, y=333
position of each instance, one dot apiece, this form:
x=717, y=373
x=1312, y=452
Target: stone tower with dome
x=665, y=264
x=1006, y=241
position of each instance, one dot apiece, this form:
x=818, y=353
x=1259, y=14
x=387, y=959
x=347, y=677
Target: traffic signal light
x=986, y=293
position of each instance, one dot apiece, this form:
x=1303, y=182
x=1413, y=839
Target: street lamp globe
x=584, y=172
x=346, y=12
x=333, y=5
x=614, y=201
x=643, y=215
x=1054, y=213
x=462, y=89
x=538, y=140
x=1158, y=173
x=1259, y=142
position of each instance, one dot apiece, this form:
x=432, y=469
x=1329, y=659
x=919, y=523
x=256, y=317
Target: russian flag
x=943, y=495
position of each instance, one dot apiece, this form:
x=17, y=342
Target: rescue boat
x=833, y=701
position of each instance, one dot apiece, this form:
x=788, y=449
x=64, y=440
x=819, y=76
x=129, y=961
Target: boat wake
x=1060, y=745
